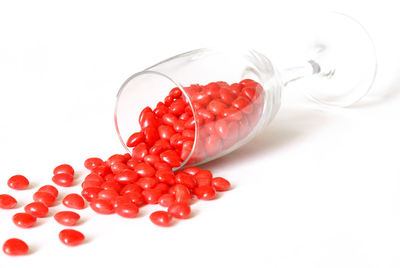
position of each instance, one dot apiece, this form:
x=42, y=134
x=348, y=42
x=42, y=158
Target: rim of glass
x=147, y=71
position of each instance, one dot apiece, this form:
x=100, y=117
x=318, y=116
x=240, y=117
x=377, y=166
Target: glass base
x=344, y=55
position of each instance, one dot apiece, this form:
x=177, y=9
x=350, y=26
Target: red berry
x=37, y=209
x=50, y=189
x=15, y=247
x=102, y=206
x=24, y=220
x=171, y=158
x=7, y=201
x=179, y=210
x=18, y=182
x=64, y=169
x=90, y=193
x=44, y=197
x=71, y=237
x=74, y=201
x=204, y=192
x=220, y=184
x=63, y=179
x=161, y=218
x=67, y=218
x=127, y=210
x=93, y=162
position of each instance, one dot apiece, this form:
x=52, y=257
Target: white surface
x=318, y=188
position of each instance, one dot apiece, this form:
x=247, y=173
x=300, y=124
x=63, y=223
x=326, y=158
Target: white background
x=319, y=187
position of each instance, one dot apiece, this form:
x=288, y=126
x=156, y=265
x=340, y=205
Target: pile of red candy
x=123, y=183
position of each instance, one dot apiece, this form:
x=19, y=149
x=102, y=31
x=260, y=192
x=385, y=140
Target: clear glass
x=230, y=95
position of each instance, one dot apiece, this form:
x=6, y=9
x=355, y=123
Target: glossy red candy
x=67, y=218
x=165, y=176
x=127, y=210
x=24, y=220
x=185, y=179
x=135, y=139
x=74, y=201
x=108, y=194
x=49, y=189
x=18, y=182
x=136, y=198
x=191, y=170
x=102, y=206
x=37, y=209
x=165, y=132
x=171, y=158
x=204, y=192
x=71, y=237
x=112, y=185
x=129, y=188
x=144, y=170
x=93, y=162
x=44, y=197
x=139, y=152
x=7, y=201
x=15, y=247
x=119, y=167
x=220, y=184
x=64, y=169
x=166, y=200
x=147, y=182
x=161, y=218
x=179, y=210
x=126, y=177
x=182, y=193
x=90, y=193
x=150, y=134
x=63, y=179
x=151, y=196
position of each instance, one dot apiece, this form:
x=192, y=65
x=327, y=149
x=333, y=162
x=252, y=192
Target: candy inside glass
x=214, y=101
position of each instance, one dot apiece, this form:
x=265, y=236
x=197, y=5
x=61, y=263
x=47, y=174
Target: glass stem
x=294, y=73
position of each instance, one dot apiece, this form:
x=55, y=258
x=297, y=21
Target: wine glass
x=231, y=94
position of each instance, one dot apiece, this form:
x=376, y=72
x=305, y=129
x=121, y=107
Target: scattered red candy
x=49, y=189
x=24, y=220
x=7, y=201
x=15, y=247
x=63, y=179
x=18, y=182
x=102, y=206
x=71, y=237
x=64, y=169
x=220, y=184
x=37, y=209
x=179, y=210
x=161, y=218
x=74, y=201
x=127, y=210
x=44, y=197
x=67, y=218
